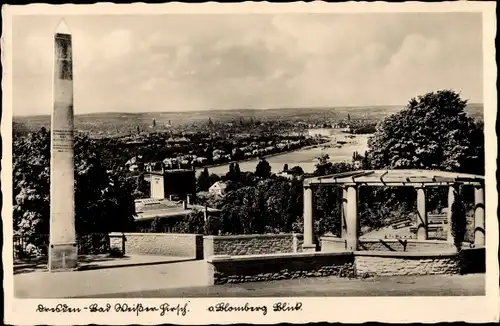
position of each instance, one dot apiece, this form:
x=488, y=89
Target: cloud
x=116, y=44
x=177, y=62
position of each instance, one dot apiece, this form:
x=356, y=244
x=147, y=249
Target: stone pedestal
x=308, y=248
x=62, y=257
x=117, y=243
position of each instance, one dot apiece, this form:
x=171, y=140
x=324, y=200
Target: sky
x=182, y=62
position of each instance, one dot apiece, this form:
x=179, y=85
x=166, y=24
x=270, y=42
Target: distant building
x=218, y=188
x=348, y=129
x=290, y=174
x=323, y=132
x=285, y=174
x=176, y=184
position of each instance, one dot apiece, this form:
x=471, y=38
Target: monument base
x=309, y=248
x=63, y=257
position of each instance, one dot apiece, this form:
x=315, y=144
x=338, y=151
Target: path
x=96, y=282
x=432, y=285
x=189, y=279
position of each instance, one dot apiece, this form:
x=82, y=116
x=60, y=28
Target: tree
x=241, y=212
x=103, y=199
x=432, y=132
x=323, y=166
x=263, y=169
x=193, y=223
x=327, y=209
x=234, y=173
x=141, y=187
x=458, y=220
x=237, y=170
x=297, y=170
x=280, y=204
x=203, y=182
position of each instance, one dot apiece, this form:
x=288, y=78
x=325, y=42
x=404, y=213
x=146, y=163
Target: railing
x=93, y=244
x=37, y=245
x=30, y=246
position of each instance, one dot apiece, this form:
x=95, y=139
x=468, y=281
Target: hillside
x=128, y=121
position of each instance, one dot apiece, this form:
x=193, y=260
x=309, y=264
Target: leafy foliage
x=194, y=223
x=103, y=199
x=263, y=169
x=432, y=132
x=459, y=220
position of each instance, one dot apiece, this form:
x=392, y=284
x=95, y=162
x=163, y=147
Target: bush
x=458, y=221
x=115, y=252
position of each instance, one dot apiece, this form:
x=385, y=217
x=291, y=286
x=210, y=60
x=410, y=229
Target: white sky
x=196, y=62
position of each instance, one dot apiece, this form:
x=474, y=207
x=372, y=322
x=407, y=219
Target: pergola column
x=351, y=217
x=452, y=197
x=343, y=226
x=308, y=244
x=422, y=220
x=479, y=220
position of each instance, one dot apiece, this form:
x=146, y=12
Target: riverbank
x=304, y=157
x=226, y=164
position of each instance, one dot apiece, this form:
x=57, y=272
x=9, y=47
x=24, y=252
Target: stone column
x=452, y=195
x=479, y=219
x=309, y=243
x=422, y=221
x=63, y=249
x=351, y=233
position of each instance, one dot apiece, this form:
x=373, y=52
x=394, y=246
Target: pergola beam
x=397, y=178
x=395, y=184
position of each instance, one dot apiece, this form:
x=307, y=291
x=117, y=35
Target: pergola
x=419, y=179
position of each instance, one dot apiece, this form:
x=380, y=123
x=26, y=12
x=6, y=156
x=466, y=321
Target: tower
x=63, y=249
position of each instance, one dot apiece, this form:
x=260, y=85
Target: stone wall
x=473, y=260
x=255, y=244
x=242, y=269
x=332, y=244
x=405, y=245
x=162, y=244
x=397, y=263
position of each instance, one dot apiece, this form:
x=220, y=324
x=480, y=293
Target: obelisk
x=63, y=248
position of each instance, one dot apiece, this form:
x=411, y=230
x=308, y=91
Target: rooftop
x=397, y=178
x=168, y=171
x=150, y=208
x=220, y=184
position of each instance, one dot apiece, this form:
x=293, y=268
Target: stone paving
x=138, y=273
x=88, y=262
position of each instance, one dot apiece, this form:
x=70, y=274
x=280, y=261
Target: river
x=305, y=158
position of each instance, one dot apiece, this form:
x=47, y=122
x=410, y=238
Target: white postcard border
x=345, y=309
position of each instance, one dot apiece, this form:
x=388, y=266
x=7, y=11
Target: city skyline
x=204, y=62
